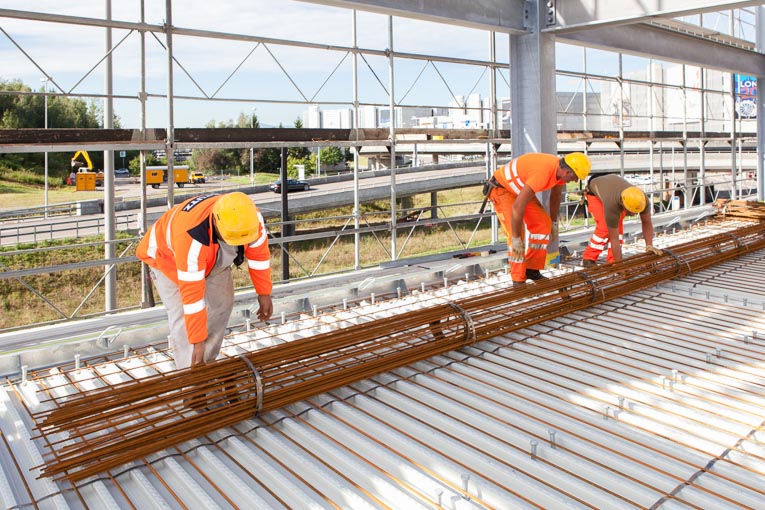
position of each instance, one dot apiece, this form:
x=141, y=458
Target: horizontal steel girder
x=585, y=14
x=505, y=16
x=670, y=45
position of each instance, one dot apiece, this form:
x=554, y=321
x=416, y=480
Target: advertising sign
x=746, y=96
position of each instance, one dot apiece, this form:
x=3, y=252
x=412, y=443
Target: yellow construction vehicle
x=156, y=175
x=86, y=178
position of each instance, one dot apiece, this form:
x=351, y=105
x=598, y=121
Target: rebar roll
x=91, y=432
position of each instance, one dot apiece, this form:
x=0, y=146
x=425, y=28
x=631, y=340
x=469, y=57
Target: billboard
x=746, y=96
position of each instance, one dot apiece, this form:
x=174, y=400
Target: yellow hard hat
x=579, y=163
x=633, y=199
x=236, y=219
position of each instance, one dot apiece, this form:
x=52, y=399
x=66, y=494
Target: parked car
x=122, y=172
x=197, y=178
x=292, y=185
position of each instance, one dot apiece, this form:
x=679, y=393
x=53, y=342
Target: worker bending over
x=512, y=190
x=609, y=198
x=190, y=250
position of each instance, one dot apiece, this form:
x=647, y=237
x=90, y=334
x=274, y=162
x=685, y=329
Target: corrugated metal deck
x=653, y=400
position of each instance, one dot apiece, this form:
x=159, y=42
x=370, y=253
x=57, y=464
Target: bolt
x=372, y=297
x=398, y=292
x=746, y=302
x=621, y=402
x=725, y=298
x=674, y=374
x=446, y=282
x=465, y=479
x=125, y=351
x=24, y=369
x=717, y=352
x=345, y=303
x=533, y=444
x=76, y=361
x=422, y=286
x=663, y=381
x=708, y=294
x=606, y=412
x=439, y=494
x=551, y=432
x=709, y=358
x=284, y=317
x=315, y=310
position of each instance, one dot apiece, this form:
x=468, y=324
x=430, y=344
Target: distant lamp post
x=44, y=82
x=252, y=149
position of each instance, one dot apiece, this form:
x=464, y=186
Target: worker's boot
x=588, y=263
x=518, y=284
x=534, y=274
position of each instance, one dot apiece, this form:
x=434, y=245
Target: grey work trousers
x=219, y=299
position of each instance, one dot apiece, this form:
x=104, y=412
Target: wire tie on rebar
x=584, y=276
x=258, y=383
x=736, y=240
x=468, y=321
x=678, y=259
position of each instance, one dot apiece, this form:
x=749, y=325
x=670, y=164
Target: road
x=322, y=195
x=329, y=193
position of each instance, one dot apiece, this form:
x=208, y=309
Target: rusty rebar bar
x=97, y=430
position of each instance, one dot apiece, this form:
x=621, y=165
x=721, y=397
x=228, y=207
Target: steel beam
x=670, y=45
x=582, y=14
x=505, y=16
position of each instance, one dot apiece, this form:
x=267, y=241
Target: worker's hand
x=653, y=249
x=517, y=251
x=554, y=233
x=266, y=307
x=198, y=355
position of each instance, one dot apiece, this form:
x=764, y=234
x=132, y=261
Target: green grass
x=67, y=289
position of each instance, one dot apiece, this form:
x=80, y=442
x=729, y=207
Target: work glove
x=653, y=249
x=554, y=233
x=517, y=250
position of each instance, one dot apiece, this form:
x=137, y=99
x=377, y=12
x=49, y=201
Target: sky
x=247, y=77
x=231, y=70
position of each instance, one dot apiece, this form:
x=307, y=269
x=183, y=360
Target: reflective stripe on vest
x=513, y=180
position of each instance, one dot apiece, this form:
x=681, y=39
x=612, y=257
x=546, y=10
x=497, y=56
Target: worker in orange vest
x=190, y=251
x=512, y=191
x=609, y=198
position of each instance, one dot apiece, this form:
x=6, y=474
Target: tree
x=332, y=156
x=298, y=152
x=135, y=164
x=20, y=110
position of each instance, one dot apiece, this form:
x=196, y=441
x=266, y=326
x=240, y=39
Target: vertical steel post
x=110, y=280
x=356, y=211
x=760, y=31
x=147, y=296
x=170, y=141
x=392, y=131
x=45, y=115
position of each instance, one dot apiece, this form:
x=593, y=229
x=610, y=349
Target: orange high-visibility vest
x=535, y=169
x=183, y=246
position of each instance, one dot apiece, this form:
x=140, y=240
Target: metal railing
x=74, y=228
